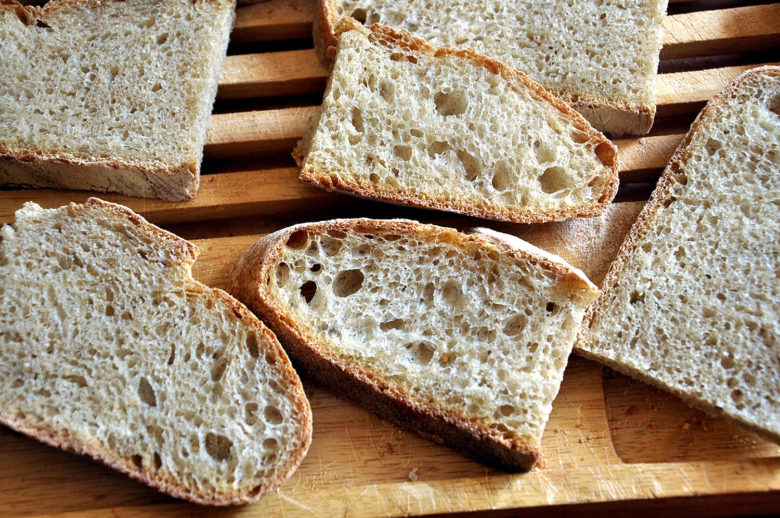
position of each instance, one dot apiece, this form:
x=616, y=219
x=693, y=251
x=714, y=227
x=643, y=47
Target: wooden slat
x=264, y=131
x=726, y=31
x=687, y=92
x=257, y=193
x=271, y=74
x=273, y=20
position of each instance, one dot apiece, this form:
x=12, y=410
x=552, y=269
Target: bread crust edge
x=250, y=285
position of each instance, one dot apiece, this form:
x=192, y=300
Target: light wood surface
x=610, y=440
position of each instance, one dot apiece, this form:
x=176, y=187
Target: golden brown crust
x=186, y=253
x=394, y=39
x=661, y=196
x=391, y=402
x=616, y=118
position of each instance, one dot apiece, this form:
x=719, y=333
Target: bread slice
x=461, y=338
x=452, y=130
x=109, y=348
x=109, y=95
x=601, y=57
x=692, y=303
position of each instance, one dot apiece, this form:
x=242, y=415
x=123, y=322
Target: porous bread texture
x=109, y=348
x=109, y=95
x=601, y=57
x=404, y=122
x=458, y=332
x=692, y=302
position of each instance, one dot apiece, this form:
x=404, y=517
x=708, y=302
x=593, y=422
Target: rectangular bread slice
x=109, y=348
x=601, y=57
x=109, y=95
x=461, y=338
x=408, y=123
x=692, y=303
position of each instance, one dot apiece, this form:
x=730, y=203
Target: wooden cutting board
x=612, y=444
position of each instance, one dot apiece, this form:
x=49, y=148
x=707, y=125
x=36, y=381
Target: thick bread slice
x=452, y=130
x=692, y=303
x=601, y=57
x=109, y=348
x=461, y=338
x=109, y=95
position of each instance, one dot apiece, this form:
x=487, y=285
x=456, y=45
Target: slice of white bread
x=461, y=338
x=601, y=57
x=109, y=348
x=109, y=95
x=692, y=302
x=405, y=122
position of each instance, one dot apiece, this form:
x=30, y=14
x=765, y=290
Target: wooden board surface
x=610, y=440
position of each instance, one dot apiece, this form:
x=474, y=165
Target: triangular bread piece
x=692, y=302
x=109, y=348
x=408, y=123
x=461, y=338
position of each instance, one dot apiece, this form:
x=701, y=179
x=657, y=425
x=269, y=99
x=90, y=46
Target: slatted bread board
x=612, y=444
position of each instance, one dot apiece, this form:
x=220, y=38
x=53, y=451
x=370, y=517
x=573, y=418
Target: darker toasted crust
x=369, y=388
x=184, y=254
x=394, y=39
x=616, y=118
x=663, y=194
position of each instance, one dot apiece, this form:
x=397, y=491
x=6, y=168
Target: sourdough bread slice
x=601, y=57
x=461, y=338
x=452, y=130
x=109, y=348
x=692, y=303
x=109, y=95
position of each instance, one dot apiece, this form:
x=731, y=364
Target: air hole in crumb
x=373, y=178
x=157, y=461
x=447, y=359
x=712, y=146
x=503, y=176
x=606, y=154
x=470, y=164
x=162, y=38
x=109, y=310
x=396, y=323
x=403, y=152
x=252, y=346
x=636, y=297
x=218, y=370
x=551, y=307
x=360, y=15
x=146, y=392
x=80, y=381
x=272, y=415
x=422, y=352
x=452, y=294
x=452, y=103
x=774, y=105
x=554, y=179
x=579, y=137
x=308, y=289
x=347, y=283
x=282, y=274
x=506, y=410
x=515, y=325
x=218, y=446
x=137, y=461
x=357, y=120
x=298, y=240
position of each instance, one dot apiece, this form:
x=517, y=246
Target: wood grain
x=721, y=32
